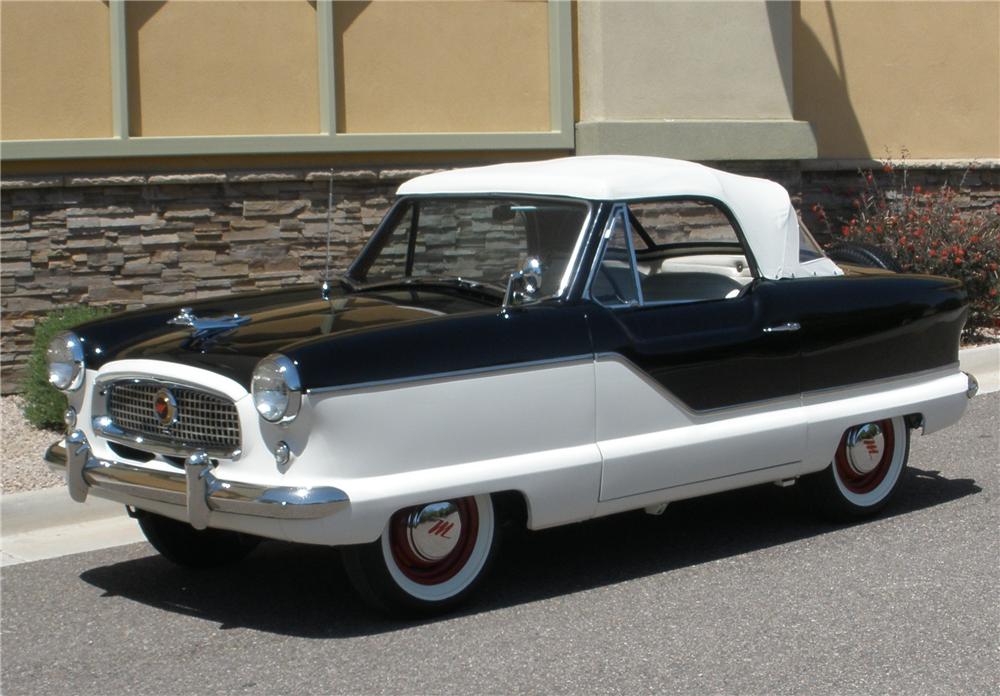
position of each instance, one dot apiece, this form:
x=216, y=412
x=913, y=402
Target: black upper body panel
x=482, y=340
x=866, y=325
x=371, y=335
x=854, y=328
x=278, y=321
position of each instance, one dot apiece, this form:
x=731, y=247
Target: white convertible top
x=762, y=208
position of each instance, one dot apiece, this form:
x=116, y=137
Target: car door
x=697, y=370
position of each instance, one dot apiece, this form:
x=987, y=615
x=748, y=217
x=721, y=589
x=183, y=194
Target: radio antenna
x=325, y=289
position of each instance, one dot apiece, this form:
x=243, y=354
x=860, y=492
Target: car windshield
x=475, y=239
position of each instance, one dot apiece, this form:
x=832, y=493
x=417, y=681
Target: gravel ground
x=23, y=446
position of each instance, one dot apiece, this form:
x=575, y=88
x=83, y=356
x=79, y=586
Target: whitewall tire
x=866, y=470
x=429, y=558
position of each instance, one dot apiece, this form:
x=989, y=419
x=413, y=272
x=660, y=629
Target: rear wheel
x=184, y=545
x=428, y=559
x=865, y=471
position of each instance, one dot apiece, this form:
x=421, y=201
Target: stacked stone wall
x=835, y=190
x=137, y=240
x=132, y=241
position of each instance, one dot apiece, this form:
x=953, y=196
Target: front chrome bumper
x=196, y=488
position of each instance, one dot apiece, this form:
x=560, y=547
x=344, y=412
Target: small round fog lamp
x=281, y=453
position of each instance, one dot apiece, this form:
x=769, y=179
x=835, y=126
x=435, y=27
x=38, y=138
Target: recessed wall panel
x=405, y=67
x=878, y=78
x=55, y=67
x=222, y=68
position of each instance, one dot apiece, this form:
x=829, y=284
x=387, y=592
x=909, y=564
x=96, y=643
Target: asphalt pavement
x=738, y=593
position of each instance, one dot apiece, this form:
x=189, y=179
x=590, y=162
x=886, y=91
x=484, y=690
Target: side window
x=809, y=250
x=687, y=251
x=615, y=280
x=680, y=221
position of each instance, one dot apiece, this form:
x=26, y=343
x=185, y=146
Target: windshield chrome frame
x=571, y=264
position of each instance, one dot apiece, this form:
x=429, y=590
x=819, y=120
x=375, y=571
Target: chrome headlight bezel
x=276, y=389
x=65, y=359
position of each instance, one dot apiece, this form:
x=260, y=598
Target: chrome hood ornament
x=207, y=326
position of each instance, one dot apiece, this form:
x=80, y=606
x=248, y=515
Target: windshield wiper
x=453, y=282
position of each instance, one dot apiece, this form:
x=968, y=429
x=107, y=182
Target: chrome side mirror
x=523, y=285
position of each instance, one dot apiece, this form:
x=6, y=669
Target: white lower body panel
x=577, y=440
x=704, y=453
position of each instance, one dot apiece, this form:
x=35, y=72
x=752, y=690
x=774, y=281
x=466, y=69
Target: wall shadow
x=783, y=18
x=820, y=96
x=344, y=14
x=300, y=590
x=136, y=16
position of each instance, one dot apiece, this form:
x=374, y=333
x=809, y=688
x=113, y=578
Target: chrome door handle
x=783, y=328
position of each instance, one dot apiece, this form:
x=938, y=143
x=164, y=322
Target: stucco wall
x=442, y=66
x=684, y=60
x=222, y=68
x=874, y=77
x=56, y=80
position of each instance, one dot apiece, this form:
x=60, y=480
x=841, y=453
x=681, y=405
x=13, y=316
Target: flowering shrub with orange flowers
x=926, y=231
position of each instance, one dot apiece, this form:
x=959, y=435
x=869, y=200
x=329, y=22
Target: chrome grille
x=203, y=421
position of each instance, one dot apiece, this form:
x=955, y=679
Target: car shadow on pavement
x=301, y=590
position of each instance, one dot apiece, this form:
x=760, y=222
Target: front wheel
x=865, y=472
x=186, y=546
x=428, y=559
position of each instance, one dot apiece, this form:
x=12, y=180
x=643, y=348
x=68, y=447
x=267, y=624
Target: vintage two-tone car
x=571, y=338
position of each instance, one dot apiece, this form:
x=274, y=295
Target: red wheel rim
x=432, y=572
x=865, y=482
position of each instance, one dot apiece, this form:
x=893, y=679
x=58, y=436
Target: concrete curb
x=47, y=523
x=983, y=363
x=30, y=511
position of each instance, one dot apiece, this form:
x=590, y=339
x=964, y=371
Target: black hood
x=278, y=322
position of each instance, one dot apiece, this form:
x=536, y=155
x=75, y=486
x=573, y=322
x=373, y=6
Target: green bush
x=44, y=405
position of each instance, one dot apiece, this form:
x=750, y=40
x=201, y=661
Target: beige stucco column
x=693, y=80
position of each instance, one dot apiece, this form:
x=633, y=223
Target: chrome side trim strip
x=143, y=483
x=797, y=399
x=788, y=326
x=898, y=380
x=493, y=369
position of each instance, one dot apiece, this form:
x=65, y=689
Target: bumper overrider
x=196, y=488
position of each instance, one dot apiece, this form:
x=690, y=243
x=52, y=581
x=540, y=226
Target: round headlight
x=65, y=358
x=276, y=389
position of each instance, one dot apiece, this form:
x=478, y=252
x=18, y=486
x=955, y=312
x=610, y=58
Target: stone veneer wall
x=835, y=190
x=135, y=240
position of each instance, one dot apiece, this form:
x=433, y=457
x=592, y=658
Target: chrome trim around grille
x=206, y=419
x=106, y=428
x=197, y=489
